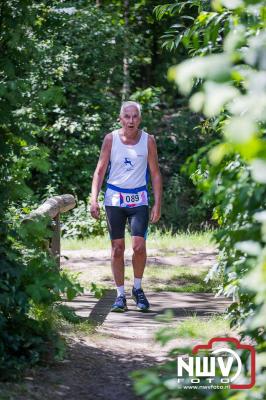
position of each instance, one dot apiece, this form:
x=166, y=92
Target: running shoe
x=140, y=299
x=120, y=304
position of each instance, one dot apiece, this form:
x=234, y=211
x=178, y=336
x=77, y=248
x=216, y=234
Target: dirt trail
x=81, y=259
x=97, y=365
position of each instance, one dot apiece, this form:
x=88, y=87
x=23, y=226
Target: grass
x=158, y=240
x=194, y=327
x=205, y=328
x=64, y=319
x=169, y=241
x=178, y=279
x=85, y=327
x=93, y=243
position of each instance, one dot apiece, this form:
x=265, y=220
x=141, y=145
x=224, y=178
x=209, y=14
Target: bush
x=80, y=224
x=229, y=88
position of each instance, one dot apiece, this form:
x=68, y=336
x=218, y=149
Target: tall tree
x=126, y=72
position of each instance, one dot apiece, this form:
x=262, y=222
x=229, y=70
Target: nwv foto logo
x=223, y=364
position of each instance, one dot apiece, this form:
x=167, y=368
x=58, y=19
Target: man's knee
x=139, y=248
x=118, y=250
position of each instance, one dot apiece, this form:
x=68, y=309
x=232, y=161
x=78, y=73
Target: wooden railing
x=53, y=207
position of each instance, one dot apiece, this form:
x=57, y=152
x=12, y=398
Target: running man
x=131, y=154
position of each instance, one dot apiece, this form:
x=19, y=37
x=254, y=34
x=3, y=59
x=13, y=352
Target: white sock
x=120, y=290
x=137, y=283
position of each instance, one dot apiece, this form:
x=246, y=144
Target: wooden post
x=54, y=243
x=52, y=207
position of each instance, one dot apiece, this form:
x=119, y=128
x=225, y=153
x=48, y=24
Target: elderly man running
x=129, y=152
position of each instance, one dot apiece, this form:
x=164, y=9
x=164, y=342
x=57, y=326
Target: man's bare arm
x=155, y=178
x=99, y=173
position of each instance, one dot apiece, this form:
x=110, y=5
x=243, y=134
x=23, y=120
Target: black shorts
x=138, y=220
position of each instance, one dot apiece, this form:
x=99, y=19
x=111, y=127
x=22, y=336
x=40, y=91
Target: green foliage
x=97, y=290
x=197, y=28
x=80, y=224
x=67, y=313
x=73, y=94
x=149, y=98
x=30, y=279
x=179, y=134
x=30, y=284
x=229, y=88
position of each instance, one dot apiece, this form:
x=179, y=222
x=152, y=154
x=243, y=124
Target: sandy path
x=97, y=366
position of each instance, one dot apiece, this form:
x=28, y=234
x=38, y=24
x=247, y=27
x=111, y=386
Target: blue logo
x=128, y=164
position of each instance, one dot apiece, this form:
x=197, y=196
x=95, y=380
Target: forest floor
x=105, y=347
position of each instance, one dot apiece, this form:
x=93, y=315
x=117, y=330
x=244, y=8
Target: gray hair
x=126, y=104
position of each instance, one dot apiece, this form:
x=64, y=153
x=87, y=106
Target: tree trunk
x=126, y=74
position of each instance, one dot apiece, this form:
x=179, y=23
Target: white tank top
x=128, y=173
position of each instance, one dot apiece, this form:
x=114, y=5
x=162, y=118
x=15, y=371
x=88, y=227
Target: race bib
x=133, y=199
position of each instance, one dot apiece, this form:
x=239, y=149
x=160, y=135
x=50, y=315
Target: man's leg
x=118, y=269
x=139, y=256
x=139, y=220
x=117, y=261
x=116, y=220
